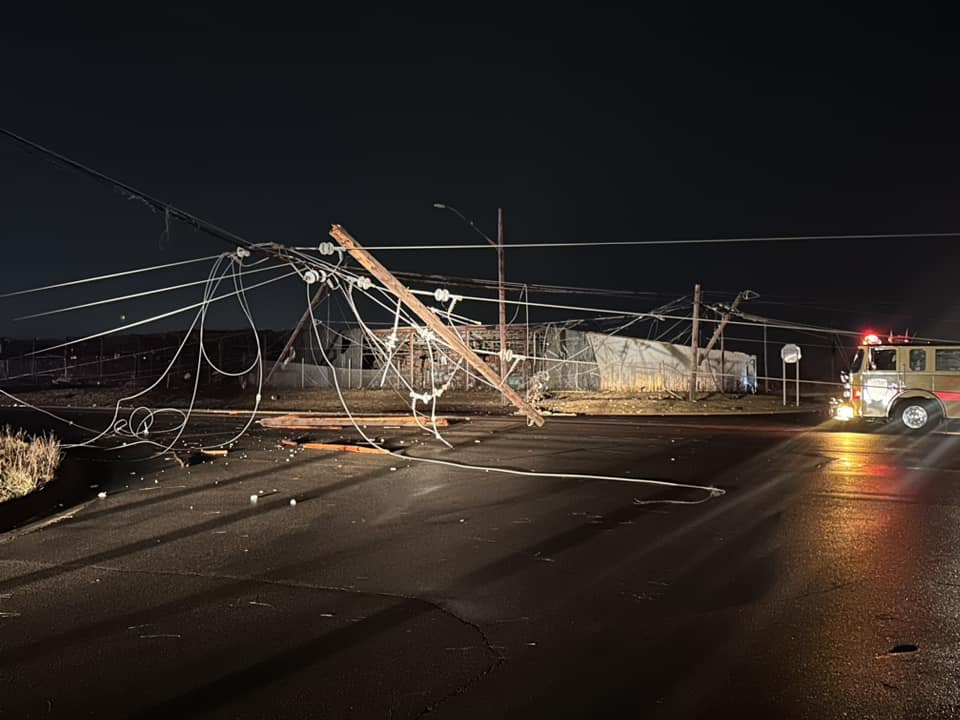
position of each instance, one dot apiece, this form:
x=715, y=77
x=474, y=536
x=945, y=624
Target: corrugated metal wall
x=633, y=364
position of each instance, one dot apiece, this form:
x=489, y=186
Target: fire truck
x=915, y=385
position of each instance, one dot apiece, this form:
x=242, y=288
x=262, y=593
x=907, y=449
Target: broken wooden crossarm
x=307, y=422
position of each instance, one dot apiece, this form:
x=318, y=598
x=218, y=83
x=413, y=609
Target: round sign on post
x=790, y=354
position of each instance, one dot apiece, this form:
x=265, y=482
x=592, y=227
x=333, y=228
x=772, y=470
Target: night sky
x=584, y=125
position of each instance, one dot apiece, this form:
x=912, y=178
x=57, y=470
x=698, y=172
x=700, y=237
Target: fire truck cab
x=912, y=384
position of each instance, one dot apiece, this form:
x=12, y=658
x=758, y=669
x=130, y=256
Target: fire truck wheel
x=917, y=415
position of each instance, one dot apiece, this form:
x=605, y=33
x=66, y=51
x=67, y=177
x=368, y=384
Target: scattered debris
x=537, y=392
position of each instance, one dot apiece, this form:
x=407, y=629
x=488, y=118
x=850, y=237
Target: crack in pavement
x=498, y=657
x=832, y=588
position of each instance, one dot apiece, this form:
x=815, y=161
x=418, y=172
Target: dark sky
x=600, y=124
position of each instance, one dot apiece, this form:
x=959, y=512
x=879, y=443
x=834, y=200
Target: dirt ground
x=614, y=403
x=324, y=400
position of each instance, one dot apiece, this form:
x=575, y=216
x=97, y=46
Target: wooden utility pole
x=694, y=343
x=435, y=324
x=503, y=298
x=766, y=375
x=411, y=357
x=723, y=369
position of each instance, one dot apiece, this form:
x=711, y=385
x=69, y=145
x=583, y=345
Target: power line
x=110, y=276
x=457, y=281
x=133, y=194
x=130, y=296
x=161, y=316
x=694, y=241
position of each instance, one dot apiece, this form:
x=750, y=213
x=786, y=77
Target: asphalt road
x=400, y=589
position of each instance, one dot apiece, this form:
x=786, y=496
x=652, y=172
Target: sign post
x=790, y=355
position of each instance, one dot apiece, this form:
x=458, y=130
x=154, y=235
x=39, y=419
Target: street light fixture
x=467, y=220
x=501, y=290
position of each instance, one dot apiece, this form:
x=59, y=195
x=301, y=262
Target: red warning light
x=871, y=338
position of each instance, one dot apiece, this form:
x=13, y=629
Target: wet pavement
x=400, y=589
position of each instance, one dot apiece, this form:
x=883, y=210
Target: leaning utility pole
x=435, y=324
x=503, y=299
x=724, y=319
x=694, y=343
x=321, y=291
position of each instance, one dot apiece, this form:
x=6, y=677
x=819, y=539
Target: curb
x=16, y=532
x=758, y=413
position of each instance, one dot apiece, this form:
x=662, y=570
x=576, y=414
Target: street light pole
x=500, y=273
x=503, y=304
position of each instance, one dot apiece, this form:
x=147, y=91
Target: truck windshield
x=857, y=361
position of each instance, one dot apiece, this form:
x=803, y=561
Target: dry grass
x=26, y=464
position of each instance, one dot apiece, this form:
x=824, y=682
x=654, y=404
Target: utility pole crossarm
x=375, y=268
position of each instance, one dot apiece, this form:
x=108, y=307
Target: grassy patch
x=26, y=464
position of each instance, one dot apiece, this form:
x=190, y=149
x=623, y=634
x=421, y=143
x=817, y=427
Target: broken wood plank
x=306, y=426
x=338, y=447
x=305, y=422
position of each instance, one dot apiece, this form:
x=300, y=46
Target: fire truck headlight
x=844, y=412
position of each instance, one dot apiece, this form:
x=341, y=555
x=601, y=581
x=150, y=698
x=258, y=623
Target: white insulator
x=427, y=334
x=364, y=283
x=441, y=295
x=242, y=252
x=311, y=276
x=326, y=248
x=506, y=354
x=391, y=342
